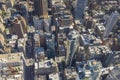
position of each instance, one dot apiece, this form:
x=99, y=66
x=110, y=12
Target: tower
x=80, y=8
x=71, y=46
x=41, y=8
x=111, y=23
x=18, y=26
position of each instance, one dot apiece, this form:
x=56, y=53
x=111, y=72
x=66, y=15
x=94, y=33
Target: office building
x=111, y=23
x=99, y=29
x=39, y=53
x=47, y=24
x=39, y=39
x=42, y=24
x=57, y=6
x=114, y=74
x=23, y=8
x=80, y=54
x=89, y=23
x=11, y=44
x=70, y=74
x=41, y=8
x=41, y=19
x=102, y=53
x=12, y=66
x=108, y=59
x=116, y=59
x=38, y=23
x=17, y=25
x=21, y=45
x=65, y=19
x=45, y=67
x=61, y=38
x=36, y=38
x=89, y=39
x=50, y=44
x=98, y=51
x=41, y=77
x=79, y=8
x=71, y=46
x=89, y=70
x=54, y=76
x=60, y=45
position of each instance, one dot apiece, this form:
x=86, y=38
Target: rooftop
x=54, y=76
x=11, y=57
x=70, y=73
x=114, y=74
x=89, y=39
x=45, y=67
x=102, y=49
x=89, y=69
x=11, y=66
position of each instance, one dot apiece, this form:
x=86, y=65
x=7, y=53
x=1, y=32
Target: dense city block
x=59, y=39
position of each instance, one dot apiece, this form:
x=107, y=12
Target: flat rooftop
x=11, y=57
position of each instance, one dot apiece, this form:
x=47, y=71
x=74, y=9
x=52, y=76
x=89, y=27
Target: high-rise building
x=39, y=53
x=17, y=25
x=111, y=23
x=71, y=46
x=102, y=53
x=112, y=59
x=41, y=8
x=42, y=24
x=23, y=7
x=12, y=2
x=79, y=8
x=50, y=44
x=114, y=74
x=89, y=70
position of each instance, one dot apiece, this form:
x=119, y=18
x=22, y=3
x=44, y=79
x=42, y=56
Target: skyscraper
x=111, y=23
x=71, y=46
x=41, y=8
x=18, y=26
x=80, y=8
